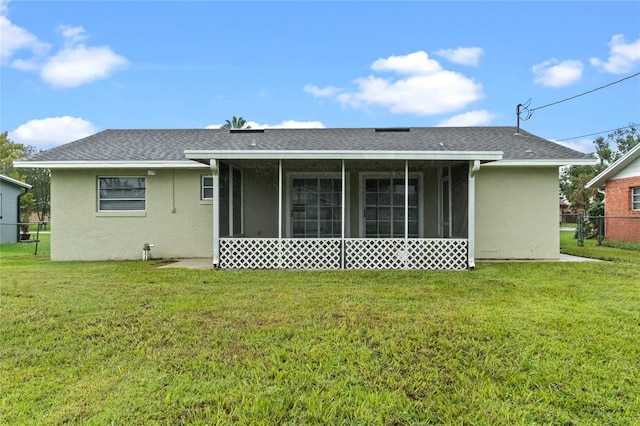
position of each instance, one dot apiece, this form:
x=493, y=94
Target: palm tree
x=236, y=123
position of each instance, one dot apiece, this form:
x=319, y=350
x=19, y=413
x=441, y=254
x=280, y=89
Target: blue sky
x=73, y=68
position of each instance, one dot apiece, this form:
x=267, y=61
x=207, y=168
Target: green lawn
x=510, y=343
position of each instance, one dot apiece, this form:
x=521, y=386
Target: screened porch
x=343, y=214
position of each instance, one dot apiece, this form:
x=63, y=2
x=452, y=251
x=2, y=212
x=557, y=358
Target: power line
x=598, y=133
x=585, y=93
x=523, y=109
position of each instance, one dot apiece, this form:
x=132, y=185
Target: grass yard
x=510, y=343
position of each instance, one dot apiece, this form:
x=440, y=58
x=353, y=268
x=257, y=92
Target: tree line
x=37, y=200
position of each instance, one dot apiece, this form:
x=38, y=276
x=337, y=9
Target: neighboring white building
x=10, y=192
x=417, y=198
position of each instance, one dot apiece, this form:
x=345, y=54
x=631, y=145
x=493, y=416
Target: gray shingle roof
x=170, y=144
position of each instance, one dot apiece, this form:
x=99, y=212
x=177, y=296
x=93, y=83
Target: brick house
x=621, y=182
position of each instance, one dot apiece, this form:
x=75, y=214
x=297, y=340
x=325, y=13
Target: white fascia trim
x=613, y=169
x=542, y=163
x=343, y=155
x=15, y=182
x=181, y=164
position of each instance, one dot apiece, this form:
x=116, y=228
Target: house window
x=122, y=193
x=206, y=188
x=316, y=207
x=384, y=212
x=635, y=198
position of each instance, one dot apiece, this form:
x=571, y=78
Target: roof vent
x=393, y=129
x=246, y=130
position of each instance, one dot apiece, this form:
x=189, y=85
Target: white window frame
x=635, y=198
x=99, y=199
x=363, y=176
x=203, y=187
x=313, y=175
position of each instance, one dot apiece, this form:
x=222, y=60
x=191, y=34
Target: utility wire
x=585, y=93
x=598, y=133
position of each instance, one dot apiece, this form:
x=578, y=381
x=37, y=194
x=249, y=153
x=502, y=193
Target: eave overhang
x=181, y=164
x=615, y=168
x=544, y=163
x=15, y=182
x=200, y=155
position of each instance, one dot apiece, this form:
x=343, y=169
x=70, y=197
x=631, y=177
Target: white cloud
x=416, y=63
x=75, y=66
x=16, y=39
x=51, y=131
x=287, y=124
x=471, y=118
x=322, y=92
x=553, y=73
x=582, y=145
x=623, y=57
x=72, y=35
x=425, y=88
x=32, y=64
x=440, y=93
x=462, y=55
x=72, y=66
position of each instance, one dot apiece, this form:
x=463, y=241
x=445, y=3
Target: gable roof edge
x=182, y=164
x=15, y=182
x=614, y=168
x=543, y=163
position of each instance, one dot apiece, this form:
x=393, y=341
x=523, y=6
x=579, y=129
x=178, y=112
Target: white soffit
x=342, y=155
x=109, y=164
x=542, y=163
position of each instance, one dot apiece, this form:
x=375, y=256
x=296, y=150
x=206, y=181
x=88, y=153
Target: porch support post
x=279, y=199
x=406, y=214
x=342, y=201
x=474, y=166
x=230, y=197
x=279, y=213
x=406, y=199
x=214, y=165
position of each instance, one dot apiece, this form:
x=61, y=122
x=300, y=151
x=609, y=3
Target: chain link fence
x=601, y=228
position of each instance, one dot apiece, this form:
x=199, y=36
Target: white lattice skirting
x=397, y=253
x=359, y=253
x=274, y=253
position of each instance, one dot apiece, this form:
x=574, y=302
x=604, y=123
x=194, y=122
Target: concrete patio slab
x=195, y=263
x=206, y=263
x=570, y=258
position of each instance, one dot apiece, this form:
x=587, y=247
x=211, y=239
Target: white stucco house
x=365, y=198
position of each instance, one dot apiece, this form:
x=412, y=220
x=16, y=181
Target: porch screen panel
x=237, y=202
x=317, y=208
x=385, y=209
